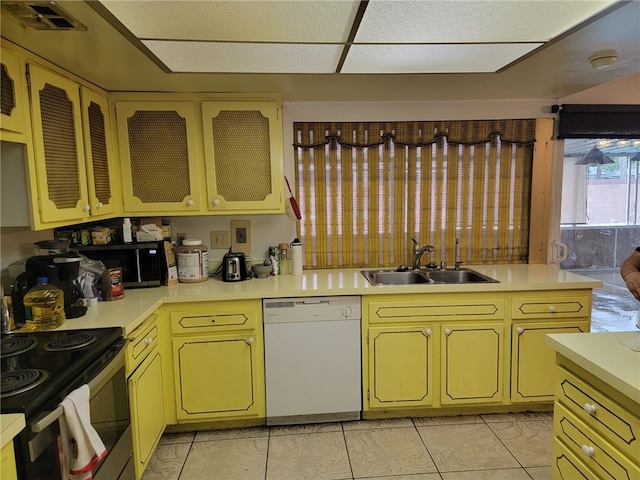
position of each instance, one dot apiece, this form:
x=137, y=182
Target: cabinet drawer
x=565, y=465
x=142, y=342
x=552, y=306
x=216, y=320
x=596, y=453
x=442, y=309
x=616, y=424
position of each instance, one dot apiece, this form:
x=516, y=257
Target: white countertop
x=603, y=355
x=128, y=312
x=10, y=425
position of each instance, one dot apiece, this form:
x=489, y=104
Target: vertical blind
x=366, y=189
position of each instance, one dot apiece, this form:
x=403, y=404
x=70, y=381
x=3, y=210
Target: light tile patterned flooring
x=470, y=447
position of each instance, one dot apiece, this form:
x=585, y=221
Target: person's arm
x=630, y=271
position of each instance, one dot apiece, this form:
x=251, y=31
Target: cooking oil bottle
x=44, y=306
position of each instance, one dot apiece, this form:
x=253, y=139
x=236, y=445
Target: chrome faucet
x=457, y=262
x=418, y=251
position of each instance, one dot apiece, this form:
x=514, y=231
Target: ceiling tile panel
x=447, y=21
x=246, y=57
x=432, y=58
x=252, y=21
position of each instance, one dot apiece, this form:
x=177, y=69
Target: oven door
x=109, y=407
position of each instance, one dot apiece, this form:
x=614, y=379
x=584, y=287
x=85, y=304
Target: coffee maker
x=62, y=271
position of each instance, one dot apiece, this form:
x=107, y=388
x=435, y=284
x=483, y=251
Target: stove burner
x=70, y=342
x=15, y=345
x=19, y=381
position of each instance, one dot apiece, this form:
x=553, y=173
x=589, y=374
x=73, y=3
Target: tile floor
x=470, y=447
x=474, y=447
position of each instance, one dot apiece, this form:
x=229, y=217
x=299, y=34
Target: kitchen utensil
x=291, y=205
x=261, y=271
x=234, y=267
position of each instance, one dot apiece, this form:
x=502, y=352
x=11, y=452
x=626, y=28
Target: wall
x=273, y=229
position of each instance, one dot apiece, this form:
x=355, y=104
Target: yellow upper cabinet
x=58, y=147
x=12, y=109
x=243, y=155
x=159, y=157
x=100, y=159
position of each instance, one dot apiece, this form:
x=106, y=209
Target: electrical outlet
x=241, y=236
x=220, y=240
x=179, y=238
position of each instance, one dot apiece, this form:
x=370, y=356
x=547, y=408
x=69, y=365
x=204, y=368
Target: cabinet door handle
x=216, y=202
x=552, y=308
x=86, y=207
x=447, y=331
x=587, y=450
x=589, y=408
x=250, y=340
x=99, y=205
x=519, y=330
x=190, y=202
x=148, y=341
x=428, y=332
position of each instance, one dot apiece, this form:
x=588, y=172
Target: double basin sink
x=412, y=277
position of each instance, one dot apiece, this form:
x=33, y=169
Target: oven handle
x=112, y=367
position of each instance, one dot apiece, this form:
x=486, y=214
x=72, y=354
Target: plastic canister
x=193, y=261
x=44, y=306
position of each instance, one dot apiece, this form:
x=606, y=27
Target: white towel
x=82, y=447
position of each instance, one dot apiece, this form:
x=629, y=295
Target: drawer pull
x=552, y=308
x=250, y=340
x=447, y=331
x=428, y=332
x=519, y=330
x=148, y=341
x=589, y=408
x=587, y=450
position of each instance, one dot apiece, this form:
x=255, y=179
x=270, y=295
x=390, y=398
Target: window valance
x=417, y=134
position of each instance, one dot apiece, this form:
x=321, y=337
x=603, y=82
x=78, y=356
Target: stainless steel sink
x=464, y=275
x=412, y=277
x=392, y=277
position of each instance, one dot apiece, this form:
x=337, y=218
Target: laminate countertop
x=137, y=304
x=604, y=355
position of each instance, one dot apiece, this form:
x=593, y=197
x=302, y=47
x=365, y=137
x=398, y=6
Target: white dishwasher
x=312, y=359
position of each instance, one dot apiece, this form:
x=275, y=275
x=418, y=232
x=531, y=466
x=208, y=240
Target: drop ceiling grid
x=461, y=36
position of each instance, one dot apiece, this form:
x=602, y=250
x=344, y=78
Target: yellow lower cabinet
x=593, y=450
x=399, y=367
x=471, y=363
x=533, y=362
x=216, y=377
x=8, y=470
x=147, y=408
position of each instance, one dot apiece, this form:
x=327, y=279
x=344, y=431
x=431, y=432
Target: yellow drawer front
x=619, y=426
x=195, y=322
x=596, y=453
x=566, y=466
x=141, y=342
x=551, y=306
x=456, y=308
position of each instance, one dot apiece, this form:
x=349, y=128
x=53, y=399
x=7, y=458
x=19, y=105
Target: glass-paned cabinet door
x=58, y=148
x=12, y=113
x=99, y=154
x=243, y=155
x=158, y=152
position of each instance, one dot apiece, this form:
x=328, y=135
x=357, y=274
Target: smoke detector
x=41, y=16
x=603, y=59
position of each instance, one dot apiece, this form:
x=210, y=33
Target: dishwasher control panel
x=311, y=309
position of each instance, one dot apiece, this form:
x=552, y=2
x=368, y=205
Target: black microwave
x=143, y=264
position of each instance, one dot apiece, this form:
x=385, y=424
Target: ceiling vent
x=41, y=16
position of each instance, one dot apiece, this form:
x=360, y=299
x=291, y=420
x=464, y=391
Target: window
x=595, y=193
x=366, y=189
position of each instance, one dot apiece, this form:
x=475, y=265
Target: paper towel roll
x=296, y=257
